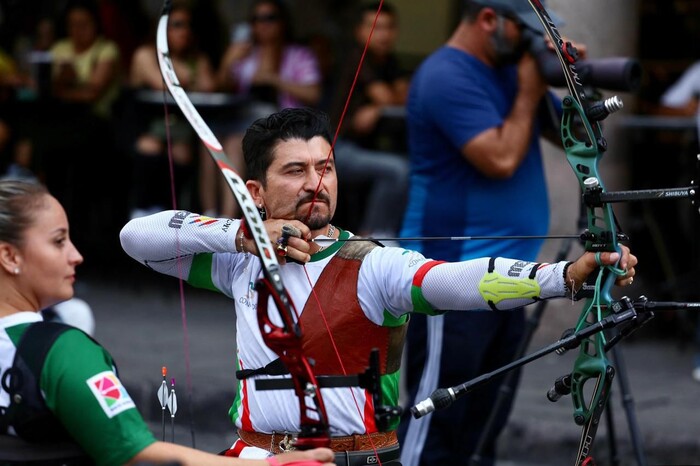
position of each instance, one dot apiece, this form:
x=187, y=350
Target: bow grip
x=591, y=368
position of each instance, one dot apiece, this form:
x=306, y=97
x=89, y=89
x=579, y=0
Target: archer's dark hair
x=265, y=133
x=18, y=202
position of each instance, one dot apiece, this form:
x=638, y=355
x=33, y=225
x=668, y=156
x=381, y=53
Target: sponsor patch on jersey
x=110, y=393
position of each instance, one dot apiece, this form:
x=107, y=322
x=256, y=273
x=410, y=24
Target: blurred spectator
x=24, y=79
x=476, y=110
x=85, y=64
x=151, y=180
x=264, y=63
x=379, y=86
x=681, y=99
x=125, y=23
x=8, y=80
x=70, y=131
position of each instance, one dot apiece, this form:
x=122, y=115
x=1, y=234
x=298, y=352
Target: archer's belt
x=389, y=456
x=280, y=442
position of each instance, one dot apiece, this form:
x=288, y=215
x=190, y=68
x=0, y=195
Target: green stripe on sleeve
x=420, y=304
x=200, y=272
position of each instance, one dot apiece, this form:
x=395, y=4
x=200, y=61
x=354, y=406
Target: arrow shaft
x=447, y=238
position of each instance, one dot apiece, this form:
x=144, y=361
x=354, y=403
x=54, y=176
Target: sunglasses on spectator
x=179, y=24
x=269, y=18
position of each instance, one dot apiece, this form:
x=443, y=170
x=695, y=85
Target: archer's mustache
x=321, y=197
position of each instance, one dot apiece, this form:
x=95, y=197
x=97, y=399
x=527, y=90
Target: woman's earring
x=262, y=211
x=16, y=271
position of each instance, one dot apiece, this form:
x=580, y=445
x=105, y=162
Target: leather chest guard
x=354, y=334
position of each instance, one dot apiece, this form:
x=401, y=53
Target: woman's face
x=48, y=257
x=82, y=29
x=267, y=22
x=179, y=31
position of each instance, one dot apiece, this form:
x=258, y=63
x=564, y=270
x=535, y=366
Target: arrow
x=163, y=397
x=172, y=407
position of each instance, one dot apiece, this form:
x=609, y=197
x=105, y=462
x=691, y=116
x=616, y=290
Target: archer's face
x=292, y=180
x=49, y=258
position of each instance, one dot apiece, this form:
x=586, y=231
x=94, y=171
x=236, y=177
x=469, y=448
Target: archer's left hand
x=586, y=265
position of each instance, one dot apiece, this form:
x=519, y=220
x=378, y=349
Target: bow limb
x=584, y=155
x=284, y=340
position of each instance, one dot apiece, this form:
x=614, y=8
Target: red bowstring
x=313, y=201
x=181, y=283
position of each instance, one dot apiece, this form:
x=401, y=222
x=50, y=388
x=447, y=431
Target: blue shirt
x=453, y=98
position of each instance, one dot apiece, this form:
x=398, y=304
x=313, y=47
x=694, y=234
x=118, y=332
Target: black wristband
x=568, y=290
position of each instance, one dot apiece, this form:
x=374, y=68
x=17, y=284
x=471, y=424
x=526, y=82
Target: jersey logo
x=203, y=220
x=110, y=393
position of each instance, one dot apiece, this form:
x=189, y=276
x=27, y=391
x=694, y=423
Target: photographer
x=476, y=110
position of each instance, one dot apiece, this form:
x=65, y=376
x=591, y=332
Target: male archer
x=352, y=296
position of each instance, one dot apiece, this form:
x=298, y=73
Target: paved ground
x=139, y=320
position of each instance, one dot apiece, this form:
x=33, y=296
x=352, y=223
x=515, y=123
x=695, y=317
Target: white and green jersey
x=392, y=282
x=80, y=387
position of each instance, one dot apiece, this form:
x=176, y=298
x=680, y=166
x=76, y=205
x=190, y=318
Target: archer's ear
x=9, y=257
x=256, y=191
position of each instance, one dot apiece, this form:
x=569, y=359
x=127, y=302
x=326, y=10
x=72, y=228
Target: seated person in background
x=151, y=178
x=22, y=83
x=379, y=85
x=682, y=97
x=67, y=129
x=85, y=64
x=37, y=265
x=10, y=79
x=275, y=72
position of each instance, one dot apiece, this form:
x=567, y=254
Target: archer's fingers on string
x=289, y=230
x=299, y=244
